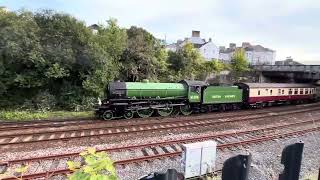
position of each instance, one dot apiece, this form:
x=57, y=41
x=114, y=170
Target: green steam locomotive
x=144, y=99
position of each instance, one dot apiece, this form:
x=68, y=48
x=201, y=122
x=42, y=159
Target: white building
x=209, y=50
x=206, y=48
x=256, y=54
x=3, y=8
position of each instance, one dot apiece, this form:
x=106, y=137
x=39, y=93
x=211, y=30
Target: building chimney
x=232, y=45
x=195, y=33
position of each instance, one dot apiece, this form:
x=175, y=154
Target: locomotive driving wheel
x=166, y=111
x=128, y=114
x=186, y=110
x=107, y=115
x=144, y=113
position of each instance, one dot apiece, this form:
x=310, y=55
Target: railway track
x=167, y=149
x=7, y=141
x=5, y=126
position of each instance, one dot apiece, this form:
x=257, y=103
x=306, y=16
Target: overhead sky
x=291, y=27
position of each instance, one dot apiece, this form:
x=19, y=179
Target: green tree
x=214, y=66
x=49, y=54
x=21, y=61
x=143, y=57
x=69, y=56
x=239, y=64
x=110, y=42
x=186, y=62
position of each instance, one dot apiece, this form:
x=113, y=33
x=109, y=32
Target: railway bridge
x=288, y=73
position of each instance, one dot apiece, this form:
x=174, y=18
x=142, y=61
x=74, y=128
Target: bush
x=97, y=166
x=44, y=101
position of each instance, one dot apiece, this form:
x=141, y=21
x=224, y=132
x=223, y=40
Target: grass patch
x=37, y=115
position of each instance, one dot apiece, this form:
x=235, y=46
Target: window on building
x=296, y=91
x=290, y=91
x=270, y=92
x=282, y=91
x=301, y=91
x=259, y=93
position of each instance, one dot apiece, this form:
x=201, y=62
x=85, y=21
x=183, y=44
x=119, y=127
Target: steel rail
x=63, y=123
x=163, y=142
x=174, y=154
x=152, y=128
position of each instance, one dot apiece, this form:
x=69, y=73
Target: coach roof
x=278, y=85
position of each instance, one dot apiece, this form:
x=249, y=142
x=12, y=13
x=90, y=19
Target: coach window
x=270, y=92
x=306, y=91
x=279, y=91
x=295, y=91
x=311, y=90
x=259, y=93
x=282, y=91
x=301, y=91
x=290, y=91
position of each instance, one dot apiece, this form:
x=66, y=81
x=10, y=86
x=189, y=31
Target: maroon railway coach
x=264, y=94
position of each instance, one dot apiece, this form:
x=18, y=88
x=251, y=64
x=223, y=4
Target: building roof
x=173, y=45
x=196, y=40
x=247, y=47
x=278, y=85
x=94, y=26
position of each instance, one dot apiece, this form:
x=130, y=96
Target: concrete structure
x=288, y=61
x=288, y=73
x=256, y=54
x=207, y=49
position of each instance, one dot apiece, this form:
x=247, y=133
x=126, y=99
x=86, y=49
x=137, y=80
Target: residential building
x=206, y=48
x=94, y=28
x=256, y=54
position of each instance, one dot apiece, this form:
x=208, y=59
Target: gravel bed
x=165, y=136
x=266, y=158
x=91, y=141
x=49, y=165
x=162, y=164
